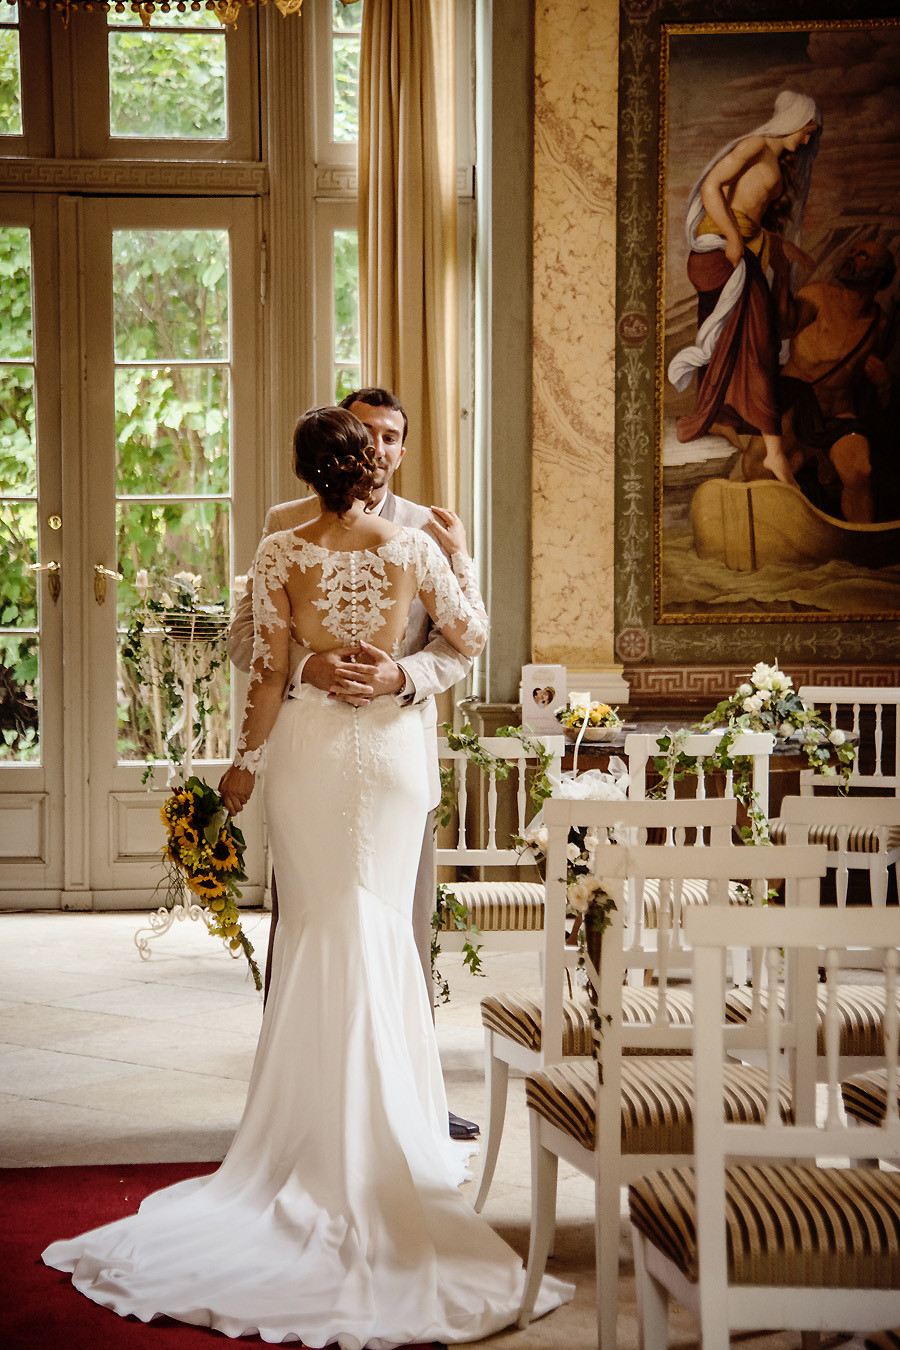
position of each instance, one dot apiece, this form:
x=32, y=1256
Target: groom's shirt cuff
x=407, y=694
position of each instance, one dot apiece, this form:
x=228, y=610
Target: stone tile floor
x=106, y=1058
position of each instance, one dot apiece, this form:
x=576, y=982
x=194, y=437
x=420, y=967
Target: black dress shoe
x=462, y=1129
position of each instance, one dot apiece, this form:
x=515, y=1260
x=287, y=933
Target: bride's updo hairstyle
x=333, y=453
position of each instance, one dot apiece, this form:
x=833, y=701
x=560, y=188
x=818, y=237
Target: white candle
x=579, y=700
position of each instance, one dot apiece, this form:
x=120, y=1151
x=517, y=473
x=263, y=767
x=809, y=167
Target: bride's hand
x=447, y=528
x=379, y=670
x=235, y=787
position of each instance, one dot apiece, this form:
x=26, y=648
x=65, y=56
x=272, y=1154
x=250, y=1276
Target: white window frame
x=84, y=133
x=36, y=137
x=328, y=151
x=334, y=207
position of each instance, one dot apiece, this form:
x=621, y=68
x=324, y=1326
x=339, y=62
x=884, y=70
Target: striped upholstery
x=517, y=1017
x=797, y=1226
x=858, y=841
x=657, y=1101
x=639, y=1005
x=692, y=893
x=499, y=906
x=861, y=1008
x=865, y=1096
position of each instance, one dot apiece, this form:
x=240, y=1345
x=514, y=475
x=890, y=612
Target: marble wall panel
x=576, y=63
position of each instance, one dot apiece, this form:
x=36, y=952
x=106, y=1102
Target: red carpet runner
x=39, y=1309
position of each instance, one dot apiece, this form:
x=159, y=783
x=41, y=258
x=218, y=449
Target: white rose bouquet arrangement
x=768, y=701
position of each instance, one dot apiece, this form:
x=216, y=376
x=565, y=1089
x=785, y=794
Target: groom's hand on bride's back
x=354, y=675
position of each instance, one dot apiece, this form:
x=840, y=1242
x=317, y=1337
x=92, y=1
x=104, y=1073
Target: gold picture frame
x=698, y=529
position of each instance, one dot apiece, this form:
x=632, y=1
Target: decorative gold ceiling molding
x=228, y=11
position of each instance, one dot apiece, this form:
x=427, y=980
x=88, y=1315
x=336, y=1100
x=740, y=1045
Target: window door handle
x=54, y=582
x=100, y=575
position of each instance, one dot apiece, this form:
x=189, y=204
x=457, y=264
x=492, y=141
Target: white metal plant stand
x=185, y=633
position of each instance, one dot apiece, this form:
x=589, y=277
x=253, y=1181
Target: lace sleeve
x=270, y=666
x=450, y=594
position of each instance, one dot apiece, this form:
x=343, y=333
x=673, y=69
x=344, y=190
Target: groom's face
x=385, y=426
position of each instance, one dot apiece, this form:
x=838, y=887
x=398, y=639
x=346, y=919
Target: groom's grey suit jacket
x=428, y=659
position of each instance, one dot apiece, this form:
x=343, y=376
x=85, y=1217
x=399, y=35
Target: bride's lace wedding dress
x=335, y=1217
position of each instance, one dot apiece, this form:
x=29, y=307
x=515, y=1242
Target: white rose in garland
x=769, y=702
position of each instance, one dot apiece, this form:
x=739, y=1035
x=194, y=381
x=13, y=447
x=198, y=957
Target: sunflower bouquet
x=204, y=854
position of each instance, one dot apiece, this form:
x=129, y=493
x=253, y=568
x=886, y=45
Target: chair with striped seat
x=506, y=909
x=743, y=1239
x=641, y=749
x=859, y=831
x=872, y=718
x=525, y=1030
x=638, y=1113
x=843, y=824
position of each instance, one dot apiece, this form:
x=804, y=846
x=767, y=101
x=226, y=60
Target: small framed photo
x=543, y=690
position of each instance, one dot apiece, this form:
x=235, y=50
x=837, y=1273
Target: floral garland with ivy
x=448, y=907
x=766, y=701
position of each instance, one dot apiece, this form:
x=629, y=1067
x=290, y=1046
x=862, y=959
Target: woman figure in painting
x=743, y=220
x=335, y=1218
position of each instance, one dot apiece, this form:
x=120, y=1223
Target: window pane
x=165, y=540
x=171, y=295
x=345, y=381
x=17, y=458
x=10, y=79
x=19, y=699
x=171, y=538
x=167, y=85
x=346, y=18
x=172, y=400
x=345, y=62
x=346, y=312
x=18, y=550
x=15, y=295
x=172, y=430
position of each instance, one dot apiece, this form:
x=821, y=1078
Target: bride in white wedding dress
x=335, y=1217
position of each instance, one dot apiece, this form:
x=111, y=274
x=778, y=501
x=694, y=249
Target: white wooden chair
x=861, y=1005
x=872, y=718
x=757, y=746
x=640, y=1113
x=526, y=1030
x=641, y=748
x=508, y=912
x=743, y=1239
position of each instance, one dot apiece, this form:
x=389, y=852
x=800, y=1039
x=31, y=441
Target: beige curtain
x=407, y=231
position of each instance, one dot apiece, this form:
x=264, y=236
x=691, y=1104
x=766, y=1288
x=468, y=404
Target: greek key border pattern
x=160, y=178
x=709, y=684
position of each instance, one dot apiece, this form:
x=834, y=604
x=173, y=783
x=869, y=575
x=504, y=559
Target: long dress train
x=335, y=1217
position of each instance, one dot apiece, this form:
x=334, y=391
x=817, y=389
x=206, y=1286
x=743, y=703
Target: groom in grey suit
x=428, y=665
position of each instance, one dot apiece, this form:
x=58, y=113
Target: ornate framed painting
x=758, y=357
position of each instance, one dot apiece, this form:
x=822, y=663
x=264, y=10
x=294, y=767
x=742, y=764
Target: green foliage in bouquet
x=204, y=854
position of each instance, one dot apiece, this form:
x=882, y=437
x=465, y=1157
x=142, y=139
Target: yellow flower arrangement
x=204, y=854
x=597, y=714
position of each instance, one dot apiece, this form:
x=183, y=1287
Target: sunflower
x=204, y=852
x=224, y=857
